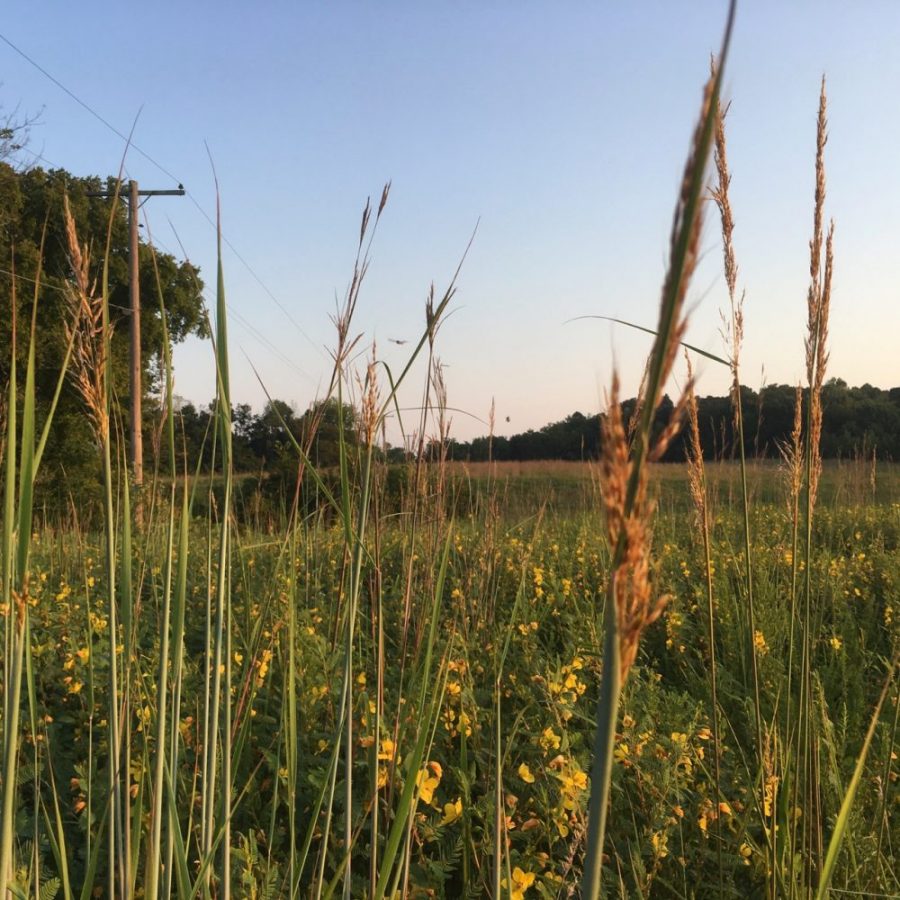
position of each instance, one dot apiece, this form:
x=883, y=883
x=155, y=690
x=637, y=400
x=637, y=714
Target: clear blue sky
x=563, y=127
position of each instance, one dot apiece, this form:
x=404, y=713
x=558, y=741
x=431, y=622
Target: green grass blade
x=685, y=344
x=843, y=819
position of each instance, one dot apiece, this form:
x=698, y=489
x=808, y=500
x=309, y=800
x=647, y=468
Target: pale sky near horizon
x=562, y=128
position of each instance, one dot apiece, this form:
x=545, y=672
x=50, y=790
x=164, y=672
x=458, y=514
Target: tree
x=323, y=421
x=15, y=130
x=32, y=237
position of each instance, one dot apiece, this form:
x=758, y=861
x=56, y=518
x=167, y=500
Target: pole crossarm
x=172, y=192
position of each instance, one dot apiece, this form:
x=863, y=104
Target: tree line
x=857, y=420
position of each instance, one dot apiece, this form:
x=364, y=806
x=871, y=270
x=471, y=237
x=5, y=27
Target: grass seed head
x=370, y=400
x=696, y=472
x=792, y=452
x=628, y=533
x=818, y=304
x=814, y=294
x=733, y=325
x=88, y=331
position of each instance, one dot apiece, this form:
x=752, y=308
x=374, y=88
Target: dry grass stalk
x=792, y=453
x=818, y=305
x=696, y=470
x=697, y=483
x=720, y=196
x=441, y=398
x=687, y=235
x=873, y=483
x=635, y=607
x=734, y=339
x=344, y=315
x=369, y=413
x=86, y=326
x=623, y=469
x=492, y=421
x=733, y=329
x=813, y=299
x=672, y=427
x=439, y=386
x=635, y=419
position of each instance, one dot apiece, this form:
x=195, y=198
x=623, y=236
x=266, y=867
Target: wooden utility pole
x=137, y=437
x=137, y=389
x=134, y=284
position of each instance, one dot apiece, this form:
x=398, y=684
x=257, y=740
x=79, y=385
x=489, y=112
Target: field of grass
x=553, y=680
x=517, y=602
x=524, y=487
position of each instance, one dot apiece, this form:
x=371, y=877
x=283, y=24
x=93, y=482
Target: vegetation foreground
x=515, y=602
x=423, y=681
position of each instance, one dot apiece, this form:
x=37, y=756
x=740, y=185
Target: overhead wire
x=238, y=317
x=254, y=274
x=39, y=156
x=243, y=322
x=87, y=107
x=93, y=112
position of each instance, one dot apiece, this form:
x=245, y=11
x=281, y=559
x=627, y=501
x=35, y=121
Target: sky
x=559, y=130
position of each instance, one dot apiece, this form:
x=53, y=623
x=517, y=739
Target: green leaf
x=843, y=819
x=49, y=889
x=690, y=347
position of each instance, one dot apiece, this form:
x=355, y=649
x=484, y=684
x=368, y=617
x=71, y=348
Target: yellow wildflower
x=521, y=881
x=759, y=641
x=660, y=842
x=549, y=740
x=525, y=774
x=452, y=811
x=427, y=781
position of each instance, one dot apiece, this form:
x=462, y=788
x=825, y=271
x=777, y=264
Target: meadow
x=454, y=607
x=615, y=678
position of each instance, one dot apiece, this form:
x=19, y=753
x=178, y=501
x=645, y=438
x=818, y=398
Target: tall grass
x=628, y=606
x=384, y=685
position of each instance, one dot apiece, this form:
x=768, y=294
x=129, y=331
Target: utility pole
x=137, y=437
x=134, y=286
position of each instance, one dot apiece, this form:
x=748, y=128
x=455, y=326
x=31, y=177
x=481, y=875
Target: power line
x=258, y=280
x=254, y=332
x=245, y=323
x=85, y=106
x=39, y=156
x=241, y=321
x=166, y=172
